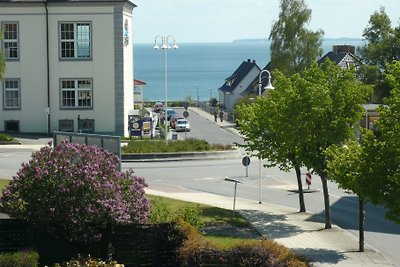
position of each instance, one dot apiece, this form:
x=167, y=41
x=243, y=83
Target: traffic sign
x=246, y=161
x=186, y=114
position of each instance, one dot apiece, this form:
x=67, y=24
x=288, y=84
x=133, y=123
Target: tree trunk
x=300, y=186
x=328, y=224
x=361, y=223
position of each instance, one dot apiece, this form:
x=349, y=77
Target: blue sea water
x=200, y=67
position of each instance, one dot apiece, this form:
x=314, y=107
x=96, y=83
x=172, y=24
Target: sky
x=195, y=21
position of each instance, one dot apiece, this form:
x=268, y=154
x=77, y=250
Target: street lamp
x=165, y=46
x=267, y=87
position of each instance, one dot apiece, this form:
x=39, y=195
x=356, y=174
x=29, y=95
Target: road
x=277, y=186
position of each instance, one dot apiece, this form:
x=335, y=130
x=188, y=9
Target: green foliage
x=160, y=212
x=370, y=168
x=81, y=261
x=19, y=259
x=75, y=189
x=293, y=46
x=2, y=61
x=382, y=47
x=6, y=137
x=157, y=146
x=198, y=251
x=303, y=116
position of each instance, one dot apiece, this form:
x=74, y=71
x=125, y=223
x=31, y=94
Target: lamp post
x=198, y=97
x=267, y=87
x=165, y=46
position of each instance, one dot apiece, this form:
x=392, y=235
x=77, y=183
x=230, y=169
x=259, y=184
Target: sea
x=197, y=70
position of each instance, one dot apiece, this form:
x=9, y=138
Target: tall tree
x=370, y=167
x=303, y=116
x=382, y=47
x=293, y=46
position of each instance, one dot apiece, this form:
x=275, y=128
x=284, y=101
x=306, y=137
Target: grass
x=209, y=216
x=6, y=138
x=3, y=183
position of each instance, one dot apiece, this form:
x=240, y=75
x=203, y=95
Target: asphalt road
x=277, y=186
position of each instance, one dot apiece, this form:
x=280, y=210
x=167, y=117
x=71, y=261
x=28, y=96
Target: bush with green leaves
x=19, y=259
x=81, y=261
x=76, y=190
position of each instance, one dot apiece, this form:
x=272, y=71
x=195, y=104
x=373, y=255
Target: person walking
x=221, y=115
x=215, y=115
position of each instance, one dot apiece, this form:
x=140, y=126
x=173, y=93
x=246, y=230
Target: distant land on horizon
x=265, y=40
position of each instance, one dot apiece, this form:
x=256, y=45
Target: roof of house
x=138, y=82
x=344, y=59
x=253, y=86
x=232, y=81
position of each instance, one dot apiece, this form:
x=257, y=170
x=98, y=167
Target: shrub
x=88, y=262
x=6, y=138
x=75, y=189
x=161, y=213
x=19, y=259
x=196, y=251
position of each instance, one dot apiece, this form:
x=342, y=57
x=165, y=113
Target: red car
x=173, y=121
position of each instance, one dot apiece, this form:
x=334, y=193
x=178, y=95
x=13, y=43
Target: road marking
x=200, y=179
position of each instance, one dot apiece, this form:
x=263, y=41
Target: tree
x=293, y=46
x=266, y=122
x=75, y=189
x=347, y=166
x=382, y=47
x=303, y=116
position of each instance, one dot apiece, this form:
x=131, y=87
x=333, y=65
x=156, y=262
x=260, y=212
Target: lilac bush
x=76, y=189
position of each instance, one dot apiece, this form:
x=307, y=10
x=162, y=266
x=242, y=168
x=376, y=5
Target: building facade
x=69, y=66
x=236, y=84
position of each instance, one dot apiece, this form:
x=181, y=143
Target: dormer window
x=230, y=82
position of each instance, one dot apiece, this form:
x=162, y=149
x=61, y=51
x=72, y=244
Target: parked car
x=182, y=125
x=174, y=119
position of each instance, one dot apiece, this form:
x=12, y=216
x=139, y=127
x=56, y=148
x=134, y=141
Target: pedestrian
x=215, y=115
x=221, y=115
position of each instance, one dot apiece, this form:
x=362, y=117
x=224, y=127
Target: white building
x=69, y=65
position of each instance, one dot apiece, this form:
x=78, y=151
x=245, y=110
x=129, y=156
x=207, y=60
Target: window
x=10, y=40
x=76, y=93
x=66, y=125
x=12, y=98
x=86, y=125
x=75, y=40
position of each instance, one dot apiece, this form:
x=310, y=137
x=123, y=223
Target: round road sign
x=186, y=114
x=246, y=161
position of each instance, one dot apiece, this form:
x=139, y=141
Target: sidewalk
x=298, y=231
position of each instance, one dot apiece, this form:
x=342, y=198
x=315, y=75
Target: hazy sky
x=227, y=20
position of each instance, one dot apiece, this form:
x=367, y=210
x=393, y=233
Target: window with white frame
x=10, y=40
x=76, y=93
x=75, y=40
x=11, y=94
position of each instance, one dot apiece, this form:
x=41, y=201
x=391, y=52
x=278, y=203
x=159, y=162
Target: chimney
x=248, y=60
x=254, y=61
x=344, y=49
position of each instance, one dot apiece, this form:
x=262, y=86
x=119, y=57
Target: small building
x=69, y=66
x=138, y=99
x=342, y=55
x=235, y=84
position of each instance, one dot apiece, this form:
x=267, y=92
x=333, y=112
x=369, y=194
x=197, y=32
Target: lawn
x=3, y=184
x=220, y=220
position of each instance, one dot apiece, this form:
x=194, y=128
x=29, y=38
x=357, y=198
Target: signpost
x=246, y=163
x=308, y=179
x=234, y=194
